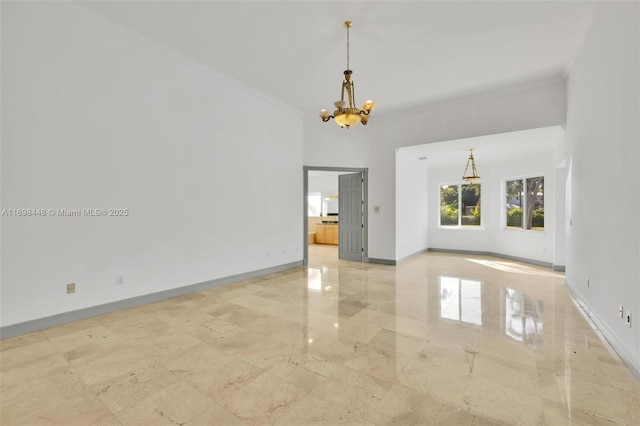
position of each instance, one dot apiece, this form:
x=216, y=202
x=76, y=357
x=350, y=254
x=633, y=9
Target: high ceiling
x=402, y=53
x=490, y=147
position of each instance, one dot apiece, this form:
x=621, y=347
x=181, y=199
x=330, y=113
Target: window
x=525, y=203
x=315, y=204
x=467, y=196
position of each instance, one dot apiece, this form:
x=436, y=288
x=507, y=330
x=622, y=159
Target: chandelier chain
x=348, y=47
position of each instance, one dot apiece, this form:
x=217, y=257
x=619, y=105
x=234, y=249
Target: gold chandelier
x=345, y=114
x=473, y=177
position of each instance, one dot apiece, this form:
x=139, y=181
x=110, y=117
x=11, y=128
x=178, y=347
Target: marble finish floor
x=439, y=339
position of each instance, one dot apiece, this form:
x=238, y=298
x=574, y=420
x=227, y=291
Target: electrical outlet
x=629, y=319
x=71, y=288
x=119, y=280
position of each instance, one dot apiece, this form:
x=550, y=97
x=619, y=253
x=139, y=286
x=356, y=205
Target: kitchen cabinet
x=327, y=233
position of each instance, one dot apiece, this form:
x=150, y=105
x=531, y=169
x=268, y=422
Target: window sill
x=461, y=228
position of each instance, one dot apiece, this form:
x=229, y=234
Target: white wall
x=326, y=183
x=603, y=134
x=411, y=205
x=328, y=145
x=526, y=106
x=94, y=116
x=492, y=235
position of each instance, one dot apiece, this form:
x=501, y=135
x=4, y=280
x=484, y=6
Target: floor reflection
x=466, y=301
x=316, y=277
x=523, y=318
x=461, y=300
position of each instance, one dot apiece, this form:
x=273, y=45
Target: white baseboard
x=602, y=328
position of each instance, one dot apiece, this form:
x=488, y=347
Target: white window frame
x=503, y=190
x=459, y=225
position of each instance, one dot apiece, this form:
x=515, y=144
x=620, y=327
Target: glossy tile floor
x=440, y=339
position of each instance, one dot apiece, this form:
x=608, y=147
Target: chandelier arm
x=353, y=95
x=474, y=173
x=466, y=168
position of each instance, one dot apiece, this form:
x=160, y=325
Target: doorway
x=353, y=210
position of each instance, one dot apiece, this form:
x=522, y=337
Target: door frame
x=305, y=207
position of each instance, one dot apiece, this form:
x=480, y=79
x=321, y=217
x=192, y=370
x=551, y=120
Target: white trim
x=460, y=226
x=603, y=330
x=503, y=187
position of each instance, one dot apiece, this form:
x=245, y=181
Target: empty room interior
x=205, y=223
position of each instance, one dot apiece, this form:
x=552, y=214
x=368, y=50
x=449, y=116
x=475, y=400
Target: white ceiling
x=490, y=147
x=402, y=53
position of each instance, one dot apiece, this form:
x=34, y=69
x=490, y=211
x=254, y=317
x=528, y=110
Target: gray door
x=350, y=220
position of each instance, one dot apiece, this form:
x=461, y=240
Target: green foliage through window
x=449, y=205
x=525, y=203
x=460, y=205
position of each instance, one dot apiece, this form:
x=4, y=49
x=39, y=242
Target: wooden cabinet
x=333, y=234
x=320, y=234
x=327, y=233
